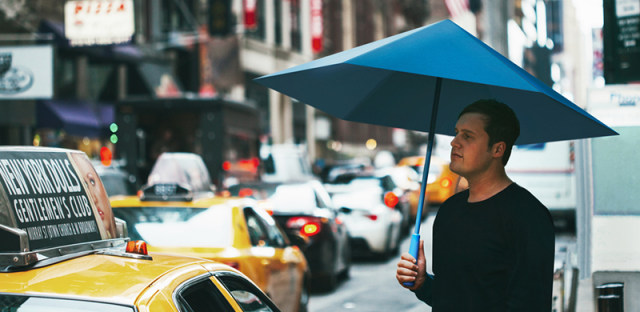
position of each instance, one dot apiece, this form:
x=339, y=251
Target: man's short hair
x=501, y=123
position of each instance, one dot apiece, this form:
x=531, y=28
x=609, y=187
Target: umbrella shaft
x=427, y=159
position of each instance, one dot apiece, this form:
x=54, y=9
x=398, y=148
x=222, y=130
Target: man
x=493, y=244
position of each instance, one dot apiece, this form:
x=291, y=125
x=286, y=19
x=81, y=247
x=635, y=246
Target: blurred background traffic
x=127, y=81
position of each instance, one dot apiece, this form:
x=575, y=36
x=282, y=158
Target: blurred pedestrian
x=493, y=244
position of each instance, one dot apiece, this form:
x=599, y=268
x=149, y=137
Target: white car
x=374, y=227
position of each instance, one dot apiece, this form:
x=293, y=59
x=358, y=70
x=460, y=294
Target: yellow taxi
x=61, y=249
x=110, y=279
x=173, y=218
x=441, y=181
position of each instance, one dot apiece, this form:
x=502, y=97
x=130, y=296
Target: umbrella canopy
x=421, y=80
x=392, y=82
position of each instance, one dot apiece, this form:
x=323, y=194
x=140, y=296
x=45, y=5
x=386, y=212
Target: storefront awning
x=81, y=118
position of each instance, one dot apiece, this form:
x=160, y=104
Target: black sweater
x=493, y=255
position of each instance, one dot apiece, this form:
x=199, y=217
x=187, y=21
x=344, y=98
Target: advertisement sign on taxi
x=55, y=196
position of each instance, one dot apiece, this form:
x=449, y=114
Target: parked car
x=235, y=231
x=74, y=260
x=368, y=206
x=305, y=209
x=441, y=181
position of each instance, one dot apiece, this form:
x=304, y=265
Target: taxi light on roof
x=137, y=247
x=391, y=199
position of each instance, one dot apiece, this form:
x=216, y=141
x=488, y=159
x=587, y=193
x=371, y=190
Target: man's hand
x=410, y=270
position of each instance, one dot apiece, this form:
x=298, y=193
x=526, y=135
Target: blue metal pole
x=415, y=237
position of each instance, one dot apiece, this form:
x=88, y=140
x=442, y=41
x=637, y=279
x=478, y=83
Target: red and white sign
x=316, y=26
x=95, y=22
x=250, y=14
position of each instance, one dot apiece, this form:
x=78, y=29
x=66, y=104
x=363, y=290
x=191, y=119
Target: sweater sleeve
x=531, y=280
x=425, y=292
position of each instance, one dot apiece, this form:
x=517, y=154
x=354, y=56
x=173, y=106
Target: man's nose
x=454, y=142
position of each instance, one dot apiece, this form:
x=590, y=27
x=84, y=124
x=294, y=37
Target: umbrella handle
x=413, y=251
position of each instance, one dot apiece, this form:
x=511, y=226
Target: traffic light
x=114, y=137
x=220, y=17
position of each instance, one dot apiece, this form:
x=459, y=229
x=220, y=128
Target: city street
x=373, y=287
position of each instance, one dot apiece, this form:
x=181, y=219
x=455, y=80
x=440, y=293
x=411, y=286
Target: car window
x=179, y=226
x=19, y=303
x=248, y=297
x=202, y=296
x=273, y=233
x=257, y=232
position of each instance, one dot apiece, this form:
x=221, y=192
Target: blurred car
x=331, y=172
x=115, y=179
x=71, y=261
x=284, y=162
x=368, y=207
x=173, y=219
x=304, y=209
x=404, y=183
x=441, y=181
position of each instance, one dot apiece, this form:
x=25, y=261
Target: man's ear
x=498, y=149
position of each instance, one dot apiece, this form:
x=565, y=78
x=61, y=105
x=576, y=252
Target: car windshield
x=19, y=303
x=179, y=226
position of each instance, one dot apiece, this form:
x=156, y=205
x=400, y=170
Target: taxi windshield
x=178, y=226
x=19, y=303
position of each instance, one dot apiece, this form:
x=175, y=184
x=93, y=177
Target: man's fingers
x=406, y=272
x=407, y=256
x=407, y=264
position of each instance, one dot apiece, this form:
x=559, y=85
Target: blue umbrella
x=401, y=80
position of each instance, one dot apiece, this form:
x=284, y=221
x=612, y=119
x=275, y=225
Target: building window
x=277, y=12
x=296, y=31
x=177, y=15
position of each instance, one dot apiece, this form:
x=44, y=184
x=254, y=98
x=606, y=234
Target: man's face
x=470, y=152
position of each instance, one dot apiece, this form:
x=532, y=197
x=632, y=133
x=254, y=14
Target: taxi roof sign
x=50, y=197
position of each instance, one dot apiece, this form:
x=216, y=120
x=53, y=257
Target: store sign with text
x=26, y=72
x=98, y=22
